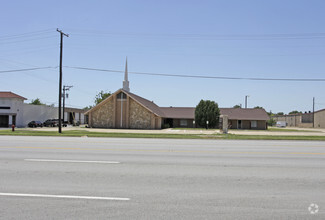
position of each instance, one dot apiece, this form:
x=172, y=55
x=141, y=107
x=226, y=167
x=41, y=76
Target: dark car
x=34, y=124
x=50, y=123
x=53, y=123
x=64, y=123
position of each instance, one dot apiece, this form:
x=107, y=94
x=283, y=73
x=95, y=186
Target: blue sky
x=209, y=38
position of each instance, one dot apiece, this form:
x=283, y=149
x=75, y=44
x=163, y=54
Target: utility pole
x=60, y=78
x=313, y=112
x=65, y=88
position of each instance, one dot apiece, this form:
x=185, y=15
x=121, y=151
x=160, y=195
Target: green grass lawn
x=289, y=130
x=81, y=133
x=194, y=129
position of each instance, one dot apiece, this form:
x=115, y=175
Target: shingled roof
x=233, y=113
x=245, y=113
x=189, y=112
x=178, y=112
x=146, y=103
x=150, y=105
x=11, y=95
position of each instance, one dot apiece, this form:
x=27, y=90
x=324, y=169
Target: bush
x=164, y=126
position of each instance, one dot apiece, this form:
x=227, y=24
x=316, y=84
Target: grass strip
x=78, y=133
x=290, y=130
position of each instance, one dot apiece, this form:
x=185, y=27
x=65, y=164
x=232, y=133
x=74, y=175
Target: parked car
x=64, y=123
x=50, y=123
x=34, y=124
x=54, y=123
x=281, y=124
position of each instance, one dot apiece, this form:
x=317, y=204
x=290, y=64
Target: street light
x=193, y=123
x=246, y=101
x=207, y=124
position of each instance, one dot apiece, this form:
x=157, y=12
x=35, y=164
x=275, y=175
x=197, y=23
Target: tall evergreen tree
x=205, y=111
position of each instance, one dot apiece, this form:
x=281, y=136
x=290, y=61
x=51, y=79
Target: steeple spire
x=126, y=81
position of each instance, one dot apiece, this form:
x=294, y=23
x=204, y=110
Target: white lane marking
x=63, y=196
x=71, y=161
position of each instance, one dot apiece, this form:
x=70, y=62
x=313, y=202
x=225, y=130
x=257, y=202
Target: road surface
x=112, y=178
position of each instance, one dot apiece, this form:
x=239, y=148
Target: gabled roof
x=151, y=106
x=245, y=113
x=102, y=102
x=11, y=95
x=178, y=112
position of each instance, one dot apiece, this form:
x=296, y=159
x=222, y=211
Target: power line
x=199, y=76
x=28, y=34
x=30, y=69
x=30, y=39
x=207, y=36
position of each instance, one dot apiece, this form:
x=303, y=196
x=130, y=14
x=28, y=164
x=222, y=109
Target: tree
x=280, y=113
x=36, y=102
x=271, y=122
x=258, y=107
x=87, y=107
x=237, y=106
x=205, y=111
x=101, y=96
x=294, y=112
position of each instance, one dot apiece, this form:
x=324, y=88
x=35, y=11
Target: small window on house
x=121, y=95
x=254, y=124
x=183, y=122
x=4, y=107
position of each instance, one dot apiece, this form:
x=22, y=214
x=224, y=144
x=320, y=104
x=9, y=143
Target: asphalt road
x=98, y=178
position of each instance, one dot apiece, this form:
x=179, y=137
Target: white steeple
x=126, y=81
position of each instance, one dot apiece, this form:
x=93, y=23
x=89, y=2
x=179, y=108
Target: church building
x=124, y=109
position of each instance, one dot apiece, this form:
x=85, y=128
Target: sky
x=227, y=38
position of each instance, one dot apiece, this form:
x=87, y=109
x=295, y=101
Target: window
x=4, y=107
x=183, y=122
x=121, y=95
x=254, y=124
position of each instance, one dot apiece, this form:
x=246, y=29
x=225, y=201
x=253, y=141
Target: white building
x=13, y=110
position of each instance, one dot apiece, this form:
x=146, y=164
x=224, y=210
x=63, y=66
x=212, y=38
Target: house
x=246, y=118
x=124, y=109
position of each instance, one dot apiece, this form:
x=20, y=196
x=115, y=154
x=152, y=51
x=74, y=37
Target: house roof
x=189, y=112
x=245, y=113
x=150, y=105
x=233, y=113
x=11, y=95
x=178, y=112
x=78, y=110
